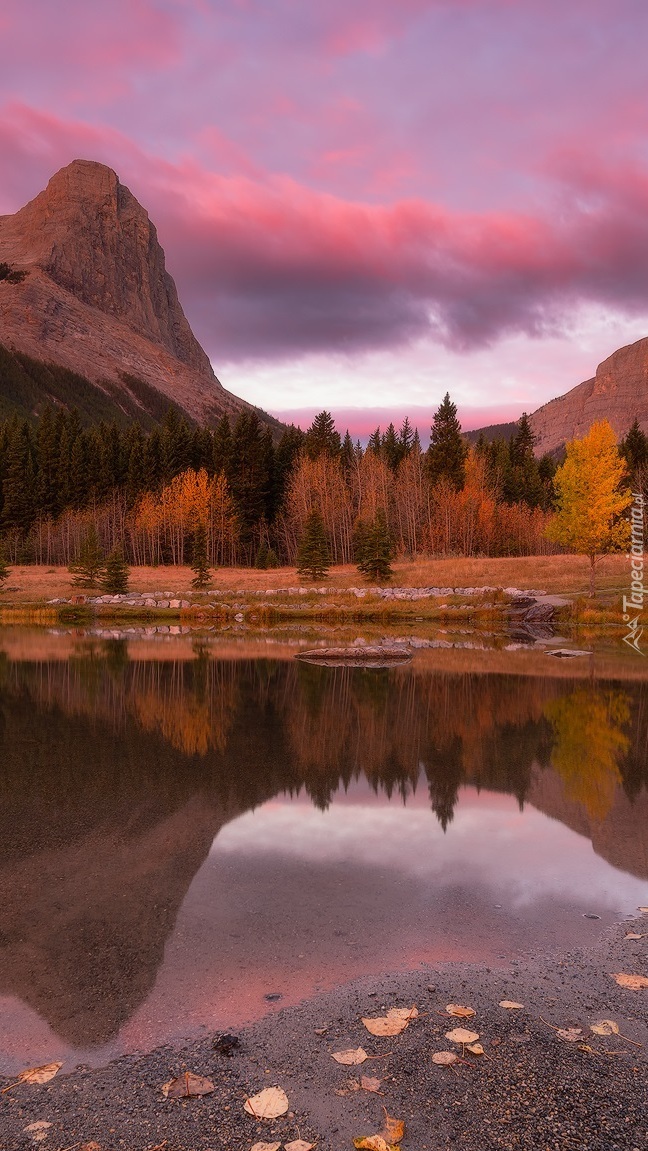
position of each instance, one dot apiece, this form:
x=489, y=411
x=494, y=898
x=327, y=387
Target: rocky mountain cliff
x=618, y=393
x=97, y=298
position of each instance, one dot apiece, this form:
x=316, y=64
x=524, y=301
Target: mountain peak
x=98, y=298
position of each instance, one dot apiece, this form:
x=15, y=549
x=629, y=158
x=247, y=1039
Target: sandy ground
x=554, y=574
x=532, y=1089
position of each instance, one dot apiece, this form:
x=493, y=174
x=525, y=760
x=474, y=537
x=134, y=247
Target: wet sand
x=531, y=1089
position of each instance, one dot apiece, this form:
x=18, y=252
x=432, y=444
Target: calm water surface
x=180, y=837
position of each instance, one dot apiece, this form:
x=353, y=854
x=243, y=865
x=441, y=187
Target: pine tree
x=374, y=549
x=4, y=570
x=222, y=446
x=322, y=437
x=115, y=576
x=261, y=561
x=390, y=448
x=313, y=559
x=446, y=455
x=634, y=449
x=90, y=564
x=199, y=560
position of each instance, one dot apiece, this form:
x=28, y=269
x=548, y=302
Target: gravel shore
x=531, y=1089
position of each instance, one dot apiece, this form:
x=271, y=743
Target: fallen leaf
x=393, y=1130
x=38, y=1130
x=475, y=1048
x=268, y=1104
x=351, y=1057
x=462, y=1012
x=40, y=1074
x=605, y=1027
x=321, y=1030
x=444, y=1058
x=371, y=1143
x=402, y=1013
x=369, y=1083
x=586, y=1047
x=187, y=1086
x=266, y=1147
x=299, y=1145
x=633, y=982
x=634, y=935
x=570, y=1034
x=511, y=1005
x=643, y=910
x=395, y=1021
x=461, y=1035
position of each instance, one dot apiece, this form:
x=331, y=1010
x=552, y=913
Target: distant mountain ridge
x=618, y=392
x=97, y=298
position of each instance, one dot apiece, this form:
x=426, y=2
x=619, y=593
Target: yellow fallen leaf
x=461, y=1012
x=266, y=1147
x=444, y=1058
x=634, y=935
x=643, y=910
x=605, y=1027
x=187, y=1086
x=351, y=1057
x=268, y=1104
x=461, y=1035
x=40, y=1074
x=371, y=1143
x=298, y=1145
x=570, y=1034
x=511, y=1005
x=403, y=1013
x=393, y=1130
x=395, y=1021
x=633, y=982
x=475, y=1048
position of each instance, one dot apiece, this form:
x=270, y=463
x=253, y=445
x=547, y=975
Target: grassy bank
x=557, y=575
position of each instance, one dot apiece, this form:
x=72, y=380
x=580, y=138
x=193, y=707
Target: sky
x=364, y=203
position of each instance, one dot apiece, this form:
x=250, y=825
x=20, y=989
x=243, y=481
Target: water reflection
x=118, y=774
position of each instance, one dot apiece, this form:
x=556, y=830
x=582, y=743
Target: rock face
x=618, y=393
x=98, y=298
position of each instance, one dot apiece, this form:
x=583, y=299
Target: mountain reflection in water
x=117, y=774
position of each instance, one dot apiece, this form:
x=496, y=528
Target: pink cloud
x=269, y=267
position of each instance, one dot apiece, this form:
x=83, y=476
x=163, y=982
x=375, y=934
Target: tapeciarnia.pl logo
x=633, y=604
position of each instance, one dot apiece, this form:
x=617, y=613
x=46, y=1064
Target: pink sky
x=364, y=204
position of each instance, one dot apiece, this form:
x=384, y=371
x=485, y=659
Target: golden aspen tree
x=591, y=497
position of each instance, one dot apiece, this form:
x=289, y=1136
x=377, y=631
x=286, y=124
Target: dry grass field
x=554, y=574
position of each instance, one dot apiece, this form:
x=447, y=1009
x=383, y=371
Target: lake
x=192, y=835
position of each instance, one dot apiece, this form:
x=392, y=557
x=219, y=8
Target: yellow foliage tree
x=591, y=497
x=589, y=741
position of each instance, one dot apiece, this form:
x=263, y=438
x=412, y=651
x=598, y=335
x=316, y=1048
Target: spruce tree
x=322, y=437
x=374, y=549
x=634, y=449
x=261, y=561
x=313, y=559
x=446, y=455
x=90, y=564
x=4, y=570
x=199, y=559
x=116, y=573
